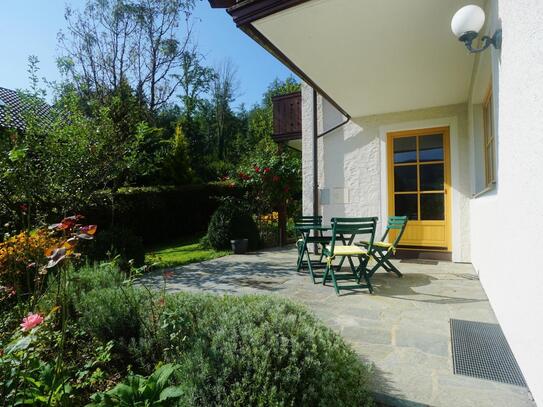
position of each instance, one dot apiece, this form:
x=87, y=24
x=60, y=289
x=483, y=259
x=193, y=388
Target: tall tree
x=224, y=89
x=137, y=41
x=195, y=80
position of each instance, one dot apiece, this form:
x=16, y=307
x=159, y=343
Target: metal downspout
x=316, y=136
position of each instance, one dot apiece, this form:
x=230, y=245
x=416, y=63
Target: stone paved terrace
x=402, y=329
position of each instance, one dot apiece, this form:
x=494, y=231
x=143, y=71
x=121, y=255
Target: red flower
x=275, y=178
x=257, y=168
x=23, y=207
x=266, y=170
x=167, y=274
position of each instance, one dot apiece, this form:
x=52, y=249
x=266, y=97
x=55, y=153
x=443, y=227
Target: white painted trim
x=452, y=123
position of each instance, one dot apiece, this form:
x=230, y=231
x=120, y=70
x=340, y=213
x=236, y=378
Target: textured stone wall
x=509, y=219
x=352, y=163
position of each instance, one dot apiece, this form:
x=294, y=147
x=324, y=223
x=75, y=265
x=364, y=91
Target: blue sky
x=30, y=27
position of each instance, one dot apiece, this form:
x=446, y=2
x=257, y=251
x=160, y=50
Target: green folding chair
x=342, y=247
x=303, y=225
x=382, y=251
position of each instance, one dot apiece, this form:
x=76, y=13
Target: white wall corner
x=307, y=149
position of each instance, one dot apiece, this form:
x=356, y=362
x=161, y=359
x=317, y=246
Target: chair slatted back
x=308, y=220
x=395, y=223
x=352, y=227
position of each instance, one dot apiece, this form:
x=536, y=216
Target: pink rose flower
x=31, y=321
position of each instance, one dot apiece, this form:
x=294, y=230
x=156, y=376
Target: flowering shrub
x=20, y=256
x=272, y=185
x=270, y=180
x=269, y=218
x=26, y=257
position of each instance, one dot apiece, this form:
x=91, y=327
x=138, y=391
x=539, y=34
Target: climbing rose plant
x=269, y=181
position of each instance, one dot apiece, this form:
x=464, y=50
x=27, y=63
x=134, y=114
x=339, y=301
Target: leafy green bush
x=116, y=242
x=114, y=313
x=229, y=222
x=259, y=351
x=136, y=390
x=95, y=276
x=87, y=278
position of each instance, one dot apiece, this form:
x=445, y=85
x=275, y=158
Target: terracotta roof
x=13, y=106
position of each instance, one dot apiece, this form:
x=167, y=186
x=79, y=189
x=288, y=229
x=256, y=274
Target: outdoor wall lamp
x=466, y=24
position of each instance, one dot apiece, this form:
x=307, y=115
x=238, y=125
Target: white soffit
x=376, y=56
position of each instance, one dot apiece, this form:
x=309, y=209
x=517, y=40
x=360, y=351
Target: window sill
x=484, y=191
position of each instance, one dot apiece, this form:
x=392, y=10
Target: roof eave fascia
x=248, y=11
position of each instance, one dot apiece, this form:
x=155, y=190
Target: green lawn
x=180, y=253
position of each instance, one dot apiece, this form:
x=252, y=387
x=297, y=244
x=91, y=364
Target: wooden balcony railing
x=287, y=117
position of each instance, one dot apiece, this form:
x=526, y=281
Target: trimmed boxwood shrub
x=229, y=222
x=259, y=351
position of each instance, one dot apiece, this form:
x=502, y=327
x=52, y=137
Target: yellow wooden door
x=419, y=186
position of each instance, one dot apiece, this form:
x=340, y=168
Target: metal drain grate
x=480, y=350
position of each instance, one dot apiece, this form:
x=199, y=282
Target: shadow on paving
x=225, y=277
x=404, y=289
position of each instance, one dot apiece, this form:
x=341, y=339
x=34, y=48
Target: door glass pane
x=431, y=177
x=405, y=150
x=405, y=178
x=432, y=206
x=431, y=148
x=406, y=205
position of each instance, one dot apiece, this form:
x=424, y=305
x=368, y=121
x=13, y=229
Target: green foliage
x=260, y=351
x=270, y=178
x=26, y=378
x=85, y=278
x=159, y=214
x=137, y=391
x=57, y=163
x=177, y=166
x=181, y=253
x=94, y=277
x=114, y=313
x=116, y=243
x=231, y=222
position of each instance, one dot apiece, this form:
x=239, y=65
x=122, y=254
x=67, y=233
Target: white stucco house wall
x=388, y=69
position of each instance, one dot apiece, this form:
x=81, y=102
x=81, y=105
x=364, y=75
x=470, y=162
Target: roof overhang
x=365, y=56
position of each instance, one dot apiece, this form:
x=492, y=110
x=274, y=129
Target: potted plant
x=239, y=246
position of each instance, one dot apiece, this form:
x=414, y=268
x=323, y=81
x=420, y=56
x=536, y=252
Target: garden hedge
x=158, y=214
